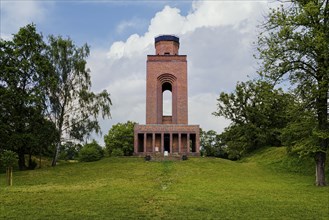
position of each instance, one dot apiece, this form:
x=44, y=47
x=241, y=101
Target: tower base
x=171, y=139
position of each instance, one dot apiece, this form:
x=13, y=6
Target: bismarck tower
x=166, y=71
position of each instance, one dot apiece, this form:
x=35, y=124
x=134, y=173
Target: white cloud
x=16, y=14
x=132, y=24
x=216, y=36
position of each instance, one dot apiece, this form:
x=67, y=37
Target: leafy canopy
x=294, y=46
x=121, y=136
x=8, y=158
x=72, y=106
x=25, y=75
x=91, y=152
x=257, y=111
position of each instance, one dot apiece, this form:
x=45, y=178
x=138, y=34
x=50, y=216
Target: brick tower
x=166, y=71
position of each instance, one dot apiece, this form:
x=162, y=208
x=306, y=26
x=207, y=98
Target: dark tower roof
x=167, y=38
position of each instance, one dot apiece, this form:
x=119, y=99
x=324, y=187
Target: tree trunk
x=54, y=162
x=58, y=144
x=21, y=160
x=9, y=175
x=322, y=110
x=320, y=159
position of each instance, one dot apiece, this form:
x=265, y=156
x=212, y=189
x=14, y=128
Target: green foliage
x=8, y=158
x=45, y=91
x=211, y=144
x=74, y=107
x=91, y=152
x=121, y=136
x=25, y=75
x=198, y=188
x=117, y=152
x=258, y=113
x=70, y=151
x=295, y=46
x=300, y=133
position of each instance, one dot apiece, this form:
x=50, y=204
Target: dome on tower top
x=166, y=38
x=166, y=45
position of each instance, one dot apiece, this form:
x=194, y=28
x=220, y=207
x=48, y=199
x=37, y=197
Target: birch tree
x=72, y=106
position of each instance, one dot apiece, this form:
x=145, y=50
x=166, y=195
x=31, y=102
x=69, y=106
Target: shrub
x=70, y=151
x=121, y=136
x=91, y=152
x=117, y=152
x=8, y=158
x=184, y=157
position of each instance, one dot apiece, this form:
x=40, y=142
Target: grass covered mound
x=198, y=188
x=277, y=159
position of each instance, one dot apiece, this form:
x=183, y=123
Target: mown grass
x=130, y=188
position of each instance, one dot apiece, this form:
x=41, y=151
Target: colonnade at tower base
x=174, y=138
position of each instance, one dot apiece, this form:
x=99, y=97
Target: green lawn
x=129, y=188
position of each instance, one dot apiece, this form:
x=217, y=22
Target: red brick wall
x=163, y=47
x=169, y=70
x=175, y=70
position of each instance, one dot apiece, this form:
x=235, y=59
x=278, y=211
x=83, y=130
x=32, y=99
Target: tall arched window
x=167, y=103
x=166, y=99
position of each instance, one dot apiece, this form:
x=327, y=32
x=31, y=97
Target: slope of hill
x=277, y=159
x=130, y=188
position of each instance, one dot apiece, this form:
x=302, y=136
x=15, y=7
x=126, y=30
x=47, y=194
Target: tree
x=91, y=152
x=70, y=151
x=72, y=107
x=298, y=135
x=8, y=158
x=211, y=144
x=42, y=83
x=258, y=112
x=294, y=45
x=121, y=136
x=25, y=74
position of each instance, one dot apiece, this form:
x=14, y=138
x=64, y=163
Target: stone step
x=162, y=157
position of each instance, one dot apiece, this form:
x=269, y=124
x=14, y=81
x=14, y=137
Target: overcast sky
x=216, y=36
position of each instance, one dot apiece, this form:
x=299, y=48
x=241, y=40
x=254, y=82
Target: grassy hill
x=200, y=188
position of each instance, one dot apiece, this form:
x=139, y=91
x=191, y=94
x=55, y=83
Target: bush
x=91, y=152
x=8, y=158
x=184, y=157
x=70, y=151
x=121, y=136
x=117, y=153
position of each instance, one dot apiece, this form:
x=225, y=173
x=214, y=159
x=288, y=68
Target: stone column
x=135, y=142
x=153, y=142
x=170, y=147
x=145, y=142
x=179, y=142
x=188, y=143
x=197, y=140
x=162, y=142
